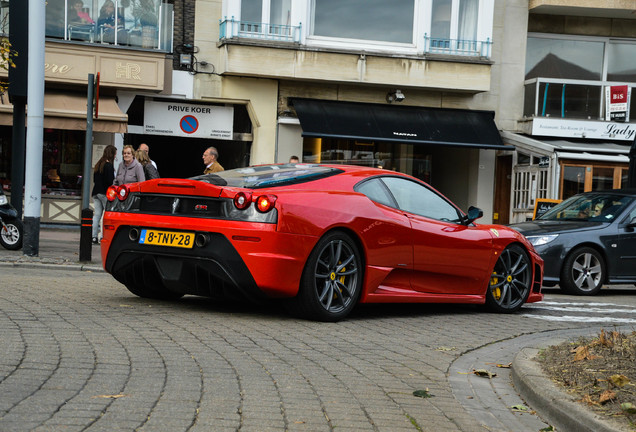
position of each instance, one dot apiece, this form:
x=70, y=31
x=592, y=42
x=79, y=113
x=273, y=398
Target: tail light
x=242, y=200
x=265, y=203
x=111, y=193
x=122, y=192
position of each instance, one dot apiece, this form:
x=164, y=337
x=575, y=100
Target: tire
x=11, y=238
x=160, y=293
x=510, y=281
x=331, y=282
x=583, y=272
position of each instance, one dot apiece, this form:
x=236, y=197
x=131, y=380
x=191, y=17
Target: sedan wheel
x=331, y=281
x=583, y=272
x=511, y=280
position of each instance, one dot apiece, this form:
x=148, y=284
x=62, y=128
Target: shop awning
x=406, y=124
x=68, y=111
x=585, y=150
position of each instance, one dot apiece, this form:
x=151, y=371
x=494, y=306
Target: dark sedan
x=586, y=241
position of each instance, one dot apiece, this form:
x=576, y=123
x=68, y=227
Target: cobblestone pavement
x=79, y=353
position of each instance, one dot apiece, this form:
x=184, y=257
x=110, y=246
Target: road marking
x=586, y=319
x=593, y=312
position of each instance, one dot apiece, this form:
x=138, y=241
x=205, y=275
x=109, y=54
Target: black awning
x=406, y=124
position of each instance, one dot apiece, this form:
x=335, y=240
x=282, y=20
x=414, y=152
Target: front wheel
x=332, y=280
x=11, y=235
x=510, y=281
x=583, y=272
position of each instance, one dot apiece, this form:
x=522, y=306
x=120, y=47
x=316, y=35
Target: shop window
x=406, y=158
x=577, y=178
x=62, y=159
x=573, y=181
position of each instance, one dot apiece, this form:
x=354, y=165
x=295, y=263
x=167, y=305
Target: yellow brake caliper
x=333, y=276
x=496, y=292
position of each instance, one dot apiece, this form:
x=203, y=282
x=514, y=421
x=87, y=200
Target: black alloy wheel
x=510, y=281
x=332, y=279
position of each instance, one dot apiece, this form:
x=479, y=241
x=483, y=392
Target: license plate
x=166, y=238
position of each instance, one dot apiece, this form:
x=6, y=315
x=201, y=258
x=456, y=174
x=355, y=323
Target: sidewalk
x=59, y=246
x=59, y=249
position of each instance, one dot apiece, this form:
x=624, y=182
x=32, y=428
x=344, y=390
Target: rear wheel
x=332, y=280
x=11, y=235
x=583, y=272
x=511, y=280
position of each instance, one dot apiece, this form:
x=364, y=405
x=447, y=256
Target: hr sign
x=188, y=120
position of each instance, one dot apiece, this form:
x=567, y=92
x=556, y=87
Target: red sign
x=617, y=103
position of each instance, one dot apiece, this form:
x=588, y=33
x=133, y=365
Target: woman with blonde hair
x=149, y=170
x=103, y=177
x=129, y=171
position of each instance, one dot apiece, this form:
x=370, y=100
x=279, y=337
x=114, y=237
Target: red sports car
x=321, y=237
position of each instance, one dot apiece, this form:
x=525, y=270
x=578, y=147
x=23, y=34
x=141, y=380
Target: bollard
x=86, y=231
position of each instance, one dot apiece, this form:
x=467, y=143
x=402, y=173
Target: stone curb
x=54, y=266
x=560, y=408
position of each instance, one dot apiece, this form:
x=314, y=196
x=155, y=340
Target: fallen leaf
x=484, y=373
x=588, y=400
x=519, y=408
x=606, y=396
x=628, y=408
x=506, y=366
x=583, y=353
x=422, y=393
x=443, y=348
x=117, y=396
x=548, y=429
x=619, y=380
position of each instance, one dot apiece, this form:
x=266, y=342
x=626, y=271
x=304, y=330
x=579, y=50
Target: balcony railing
x=231, y=28
x=567, y=98
x=147, y=24
x=458, y=47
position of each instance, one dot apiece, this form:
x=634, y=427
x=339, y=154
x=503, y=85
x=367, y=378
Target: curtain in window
x=468, y=18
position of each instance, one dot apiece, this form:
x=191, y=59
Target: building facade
x=416, y=86
x=578, y=119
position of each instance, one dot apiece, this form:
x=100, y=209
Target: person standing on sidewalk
x=129, y=171
x=103, y=177
x=144, y=147
x=210, y=156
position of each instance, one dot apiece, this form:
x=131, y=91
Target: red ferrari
x=321, y=237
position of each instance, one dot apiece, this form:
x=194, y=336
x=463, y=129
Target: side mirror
x=474, y=213
x=632, y=223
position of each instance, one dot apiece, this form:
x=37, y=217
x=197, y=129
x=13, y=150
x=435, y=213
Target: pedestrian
x=144, y=147
x=103, y=177
x=129, y=171
x=210, y=156
x=294, y=159
x=150, y=172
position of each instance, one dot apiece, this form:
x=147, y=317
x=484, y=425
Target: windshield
x=596, y=207
x=268, y=175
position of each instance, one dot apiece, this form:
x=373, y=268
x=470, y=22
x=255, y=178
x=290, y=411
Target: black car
x=586, y=241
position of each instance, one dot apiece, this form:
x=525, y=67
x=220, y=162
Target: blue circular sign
x=189, y=124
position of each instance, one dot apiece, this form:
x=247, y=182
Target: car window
x=418, y=199
x=376, y=191
x=598, y=206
